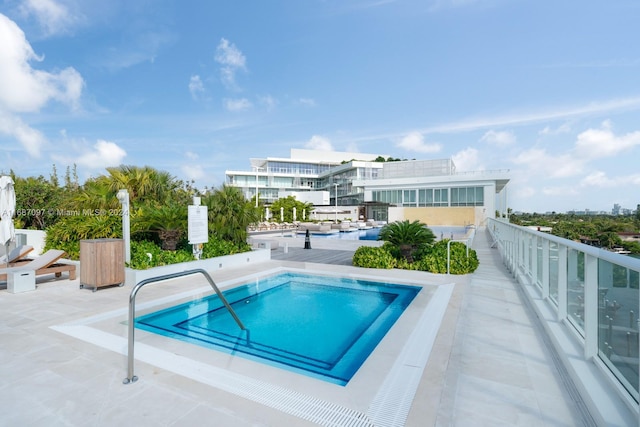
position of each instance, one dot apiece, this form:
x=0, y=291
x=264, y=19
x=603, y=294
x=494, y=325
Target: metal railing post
x=132, y=313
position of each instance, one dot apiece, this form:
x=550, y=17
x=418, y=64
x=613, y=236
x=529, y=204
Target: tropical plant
x=67, y=233
x=145, y=254
x=169, y=221
x=39, y=202
x=144, y=184
x=461, y=259
x=230, y=213
x=287, y=204
x=373, y=257
x=407, y=237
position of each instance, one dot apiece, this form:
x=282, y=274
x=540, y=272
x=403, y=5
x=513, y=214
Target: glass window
x=409, y=198
x=454, y=197
x=479, y=196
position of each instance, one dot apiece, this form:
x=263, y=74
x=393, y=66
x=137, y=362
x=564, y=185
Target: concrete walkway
x=496, y=367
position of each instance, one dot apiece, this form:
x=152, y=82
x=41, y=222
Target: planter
x=132, y=277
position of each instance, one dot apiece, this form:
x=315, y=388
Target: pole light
x=257, y=186
x=123, y=198
x=336, y=185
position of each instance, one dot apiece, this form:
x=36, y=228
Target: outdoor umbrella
x=7, y=209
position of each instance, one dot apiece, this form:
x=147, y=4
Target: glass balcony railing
x=594, y=293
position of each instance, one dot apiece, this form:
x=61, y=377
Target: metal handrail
x=132, y=311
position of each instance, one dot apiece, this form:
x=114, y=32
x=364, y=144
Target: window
x=467, y=196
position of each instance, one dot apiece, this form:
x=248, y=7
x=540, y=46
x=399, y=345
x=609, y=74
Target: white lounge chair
x=44, y=264
x=16, y=254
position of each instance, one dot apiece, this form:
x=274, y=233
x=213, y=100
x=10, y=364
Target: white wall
x=35, y=238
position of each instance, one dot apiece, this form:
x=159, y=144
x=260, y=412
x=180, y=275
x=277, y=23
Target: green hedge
x=432, y=260
x=147, y=254
x=372, y=257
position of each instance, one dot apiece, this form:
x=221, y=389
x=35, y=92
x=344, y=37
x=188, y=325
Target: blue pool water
x=441, y=232
x=320, y=326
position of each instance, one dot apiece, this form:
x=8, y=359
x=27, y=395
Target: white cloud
x=415, y=142
x=598, y=143
x=307, y=102
x=467, y=160
x=268, y=101
x=601, y=180
x=232, y=60
x=540, y=163
x=190, y=155
x=31, y=139
x=319, y=143
x=196, y=87
x=26, y=90
x=236, y=105
x=499, y=138
x=23, y=89
x=228, y=54
x=552, y=113
x=53, y=17
x=103, y=154
x=193, y=172
x=563, y=128
x=560, y=191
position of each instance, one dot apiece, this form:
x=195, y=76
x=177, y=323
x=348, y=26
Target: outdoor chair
x=15, y=255
x=47, y=263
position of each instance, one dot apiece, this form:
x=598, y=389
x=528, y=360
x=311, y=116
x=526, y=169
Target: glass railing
x=594, y=292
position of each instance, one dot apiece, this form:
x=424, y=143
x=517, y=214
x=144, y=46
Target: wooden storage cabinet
x=101, y=263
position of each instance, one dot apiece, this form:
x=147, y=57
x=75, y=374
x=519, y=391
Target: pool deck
x=489, y=364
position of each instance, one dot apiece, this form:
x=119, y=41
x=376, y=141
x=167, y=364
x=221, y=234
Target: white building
x=431, y=191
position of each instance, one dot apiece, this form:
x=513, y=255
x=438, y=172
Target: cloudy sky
x=547, y=89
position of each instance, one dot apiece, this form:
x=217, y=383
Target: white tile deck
x=488, y=365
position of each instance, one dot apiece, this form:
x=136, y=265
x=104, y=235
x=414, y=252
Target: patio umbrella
x=266, y=214
x=281, y=214
x=294, y=214
x=7, y=209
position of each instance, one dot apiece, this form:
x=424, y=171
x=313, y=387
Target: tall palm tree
x=144, y=184
x=230, y=213
x=407, y=236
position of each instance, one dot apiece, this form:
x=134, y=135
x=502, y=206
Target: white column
x=123, y=198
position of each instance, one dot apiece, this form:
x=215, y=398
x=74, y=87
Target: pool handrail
x=132, y=311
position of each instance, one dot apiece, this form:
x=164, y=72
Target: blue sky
x=547, y=89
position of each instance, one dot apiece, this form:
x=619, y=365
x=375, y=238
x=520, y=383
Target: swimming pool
x=441, y=232
x=320, y=326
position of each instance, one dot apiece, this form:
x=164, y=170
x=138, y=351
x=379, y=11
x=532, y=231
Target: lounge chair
x=44, y=264
x=16, y=254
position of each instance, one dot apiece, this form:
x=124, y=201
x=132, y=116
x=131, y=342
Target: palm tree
x=145, y=184
x=168, y=220
x=230, y=213
x=407, y=236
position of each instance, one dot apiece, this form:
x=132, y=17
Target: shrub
x=69, y=230
x=140, y=252
x=407, y=237
x=215, y=247
x=432, y=260
x=373, y=257
x=435, y=261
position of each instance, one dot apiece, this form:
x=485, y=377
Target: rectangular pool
x=320, y=326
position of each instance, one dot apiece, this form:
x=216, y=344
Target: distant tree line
x=604, y=230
